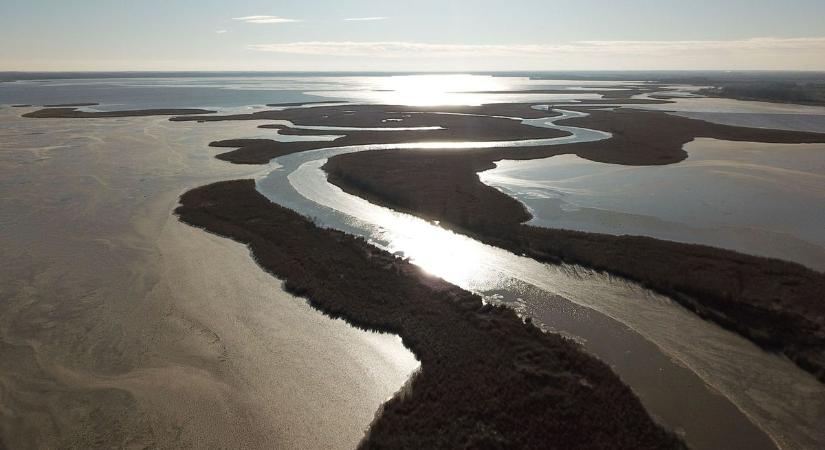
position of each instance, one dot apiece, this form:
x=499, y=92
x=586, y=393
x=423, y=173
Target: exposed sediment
x=122, y=327
x=487, y=379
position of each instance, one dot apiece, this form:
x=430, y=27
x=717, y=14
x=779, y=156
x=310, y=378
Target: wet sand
x=122, y=327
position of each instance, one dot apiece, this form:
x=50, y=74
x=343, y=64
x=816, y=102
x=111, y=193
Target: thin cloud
x=265, y=19
x=221, y=31
x=365, y=19
x=399, y=49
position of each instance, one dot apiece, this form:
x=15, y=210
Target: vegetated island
x=308, y=103
x=779, y=305
x=74, y=113
x=487, y=379
x=618, y=92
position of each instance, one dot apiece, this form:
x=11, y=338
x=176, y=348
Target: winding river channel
x=713, y=387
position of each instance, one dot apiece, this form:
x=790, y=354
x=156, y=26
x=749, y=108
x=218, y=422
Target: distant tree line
x=776, y=91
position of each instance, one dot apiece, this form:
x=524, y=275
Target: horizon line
x=125, y=71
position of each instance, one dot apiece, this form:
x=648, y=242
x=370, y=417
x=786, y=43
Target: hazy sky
x=411, y=35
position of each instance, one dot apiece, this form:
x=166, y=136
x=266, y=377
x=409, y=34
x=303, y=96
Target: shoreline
x=502, y=399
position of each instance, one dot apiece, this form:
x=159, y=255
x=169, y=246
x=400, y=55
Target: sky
x=422, y=35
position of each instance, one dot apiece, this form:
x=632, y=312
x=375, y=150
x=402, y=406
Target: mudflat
x=122, y=327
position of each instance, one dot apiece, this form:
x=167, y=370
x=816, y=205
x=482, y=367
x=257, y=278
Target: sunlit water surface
x=228, y=91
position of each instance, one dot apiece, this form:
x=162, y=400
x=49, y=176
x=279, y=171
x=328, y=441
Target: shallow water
x=787, y=121
x=110, y=306
x=762, y=199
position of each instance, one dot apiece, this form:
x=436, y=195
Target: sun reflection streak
x=437, y=89
x=434, y=249
x=437, y=251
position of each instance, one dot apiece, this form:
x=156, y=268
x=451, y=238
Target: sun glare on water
x=425, y=90
x=438, y=251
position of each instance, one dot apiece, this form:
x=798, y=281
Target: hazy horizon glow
x=368, y=35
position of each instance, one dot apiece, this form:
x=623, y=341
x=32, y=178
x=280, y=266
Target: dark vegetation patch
x=74, y=113
x=64, y=105
x=258, y=151
x=487, y=379
x=619, y=102
x=778, y=305
x=321, y=102
x=618, y=92
x=805, y=93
